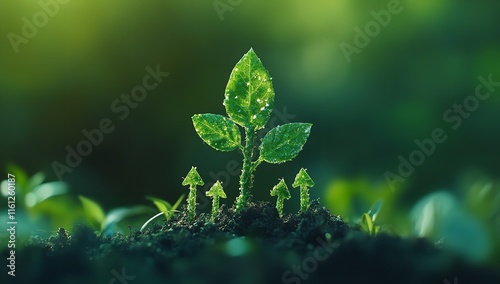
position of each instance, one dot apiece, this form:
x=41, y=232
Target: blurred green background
x=365, y=113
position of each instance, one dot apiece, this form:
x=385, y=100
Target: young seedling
x=367, y=225
x=280, y=190
x=249, y=101
x=164, y=207
x=367, y=222
x=192, y=179
x=216, y=192
x=303, y=180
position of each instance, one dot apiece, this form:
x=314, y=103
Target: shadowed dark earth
x=251, y=246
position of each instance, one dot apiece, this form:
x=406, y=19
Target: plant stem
x=215, y=207
x=279, y=206
x=246, y=178
x=191, y=203
x=304, y=199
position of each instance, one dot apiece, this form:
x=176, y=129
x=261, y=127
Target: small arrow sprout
x=216, y=192
x=281, y=191
x=192, y=179
x=304, y=181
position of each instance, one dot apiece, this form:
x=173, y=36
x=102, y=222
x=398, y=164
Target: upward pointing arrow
x=280, y=190
x=216, y=191
x=192, y=179
x=304, y=181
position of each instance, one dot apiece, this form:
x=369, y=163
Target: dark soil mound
x=252, y=246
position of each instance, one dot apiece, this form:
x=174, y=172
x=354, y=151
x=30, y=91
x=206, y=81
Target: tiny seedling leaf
x=375, y=209
x=161, y=204
x=45, y=191
x=193, y=178
x=92, y=210
x=249, y=96
x=216, y=191
x=217, y=131
x=178, y=202
x=366, y=223
x=283, y=143
x=303, y=179
x=164, y=206
x=150, y=220
x=172, y=210
x=281, y=190
x=368, y=226
x=115, y=216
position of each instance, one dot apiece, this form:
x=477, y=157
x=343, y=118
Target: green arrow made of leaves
x=216, y=192
x=303, y=181
x=192, y=179
x=281, y=191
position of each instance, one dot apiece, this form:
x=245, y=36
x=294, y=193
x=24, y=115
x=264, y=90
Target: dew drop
x=236, y=97
x=255, y=116
x=248, y=83
x=262, y=108
x=258, y=100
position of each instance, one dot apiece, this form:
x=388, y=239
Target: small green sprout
x=303, y=180
x=368, y=219
x=249, y=101
x=93, y=212
x=192, y=179
x=113, y=221
x=368, y=226
x=216, y=191
x=280, y=190
x=164, y=207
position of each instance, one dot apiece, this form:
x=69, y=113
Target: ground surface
x=253, y=246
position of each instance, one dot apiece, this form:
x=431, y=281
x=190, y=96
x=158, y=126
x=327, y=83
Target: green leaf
x=249, y=97
x=150, y=220
x=281, y=190
x=375, y=209
x=110, y=225
x=45, y=191
x=164, y=206
x=193, y=178
x=366, y=223
x=92, y=210
x=217, y=131
x=303, y=179
x=283, y=143
x=216, y=190
x=172, y=210
x=178, y=202
x=161, y=204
